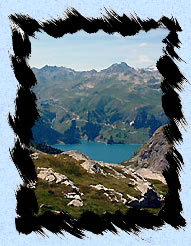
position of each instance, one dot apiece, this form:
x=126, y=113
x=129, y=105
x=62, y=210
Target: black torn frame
x=26, y=113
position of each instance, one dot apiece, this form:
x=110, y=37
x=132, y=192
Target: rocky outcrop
x=92, y=166
x=149, y=197
x=151, y=156
x=149, y=200
x=111, y=194
x=80, y=181
x=76, y=198
x=72, y=195
x=137, y=181
x=49, y=175
x=149, y=174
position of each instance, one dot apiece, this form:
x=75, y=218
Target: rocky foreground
x=72, y=182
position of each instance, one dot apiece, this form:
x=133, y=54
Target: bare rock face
x=152, y=154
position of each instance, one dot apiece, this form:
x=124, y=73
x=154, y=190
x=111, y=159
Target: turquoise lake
x=112, y=153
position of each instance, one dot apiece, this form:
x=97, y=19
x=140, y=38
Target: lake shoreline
x=99, y=151
x=62, y=143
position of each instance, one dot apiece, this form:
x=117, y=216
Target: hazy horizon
x=83, y=52
x=154, y=65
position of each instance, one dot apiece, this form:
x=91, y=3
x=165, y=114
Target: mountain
x=42, y=148
x=117, y=68
x=118, y=104
x=44, y=134
x=150, y=158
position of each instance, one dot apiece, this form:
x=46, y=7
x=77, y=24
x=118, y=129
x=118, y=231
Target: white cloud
x=143, y=44
x=144, y=59
x=140, y=61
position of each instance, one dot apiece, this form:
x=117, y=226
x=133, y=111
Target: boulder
x=75, y=203
x=77, y=197
x=60, y=178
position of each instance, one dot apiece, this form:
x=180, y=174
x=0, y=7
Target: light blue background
x=9, y=177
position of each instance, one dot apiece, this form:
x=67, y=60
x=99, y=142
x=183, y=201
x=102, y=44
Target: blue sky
x=83, y=51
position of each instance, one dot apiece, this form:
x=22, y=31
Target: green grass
x=73, y=170
x=152, y=210
x=93, y=200
x=159, y=186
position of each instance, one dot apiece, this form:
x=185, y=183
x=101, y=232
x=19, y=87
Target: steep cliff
x=152, y=154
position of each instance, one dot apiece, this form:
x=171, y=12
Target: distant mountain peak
x=117, y=67
x=49, y=68
x=93, y=70
x=124, y=64
x=114, y=68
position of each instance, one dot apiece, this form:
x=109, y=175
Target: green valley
x=119, y=104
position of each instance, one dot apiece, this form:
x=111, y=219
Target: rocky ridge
x=149, y=160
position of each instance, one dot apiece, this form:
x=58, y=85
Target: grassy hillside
x=103, y=104
x=52, y=193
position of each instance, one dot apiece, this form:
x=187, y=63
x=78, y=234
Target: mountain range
x=118, y=104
